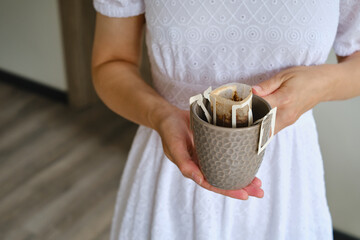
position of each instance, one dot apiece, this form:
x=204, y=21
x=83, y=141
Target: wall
x=30, y=41
x=339, y=127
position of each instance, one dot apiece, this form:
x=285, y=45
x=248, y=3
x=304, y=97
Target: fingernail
x=196, y=178
x=257, y=88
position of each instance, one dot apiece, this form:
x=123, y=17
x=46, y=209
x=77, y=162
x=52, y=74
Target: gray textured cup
x=228, y=157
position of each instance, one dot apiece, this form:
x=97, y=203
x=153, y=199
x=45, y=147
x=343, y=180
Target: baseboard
x=30, y=85
x=338, y=235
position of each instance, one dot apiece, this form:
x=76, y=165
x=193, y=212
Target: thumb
x=269, y=86
x=273, y=99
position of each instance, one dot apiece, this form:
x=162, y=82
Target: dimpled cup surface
x=228, y=156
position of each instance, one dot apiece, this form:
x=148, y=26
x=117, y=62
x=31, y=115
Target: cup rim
x=215, y=127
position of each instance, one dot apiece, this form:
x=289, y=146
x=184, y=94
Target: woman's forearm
x=120, y=87
x=115, y=71
x=345, y=77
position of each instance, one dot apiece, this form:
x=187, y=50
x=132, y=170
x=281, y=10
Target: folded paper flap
x=200, y=101
x=234, y=114
x=267, y=129
x=207, y=93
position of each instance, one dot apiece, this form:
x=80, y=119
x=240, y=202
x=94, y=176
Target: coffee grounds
x=236, y=97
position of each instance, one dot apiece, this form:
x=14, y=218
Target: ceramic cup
x=230, y=157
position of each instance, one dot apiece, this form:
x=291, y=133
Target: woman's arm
x=347, y=76
x=116, y=60
x=298, y=89
x=115, y=69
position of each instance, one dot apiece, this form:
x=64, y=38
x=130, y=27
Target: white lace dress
x=194, y=44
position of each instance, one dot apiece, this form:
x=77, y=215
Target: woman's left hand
x=296, y=90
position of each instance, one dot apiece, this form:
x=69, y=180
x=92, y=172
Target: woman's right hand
x=177, y=141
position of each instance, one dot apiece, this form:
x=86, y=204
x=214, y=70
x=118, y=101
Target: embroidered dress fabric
x=195, y=44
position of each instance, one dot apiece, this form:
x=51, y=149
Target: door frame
x=78, y=24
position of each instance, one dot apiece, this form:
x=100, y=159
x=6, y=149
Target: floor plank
x=59, y=167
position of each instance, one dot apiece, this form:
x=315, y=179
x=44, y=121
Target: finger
x=182, y=158
x=269, y=86
x=254, y=190
x=190, y=170
x=279, y=98
x=238, y=194
x=273, y=100
x=257, y=182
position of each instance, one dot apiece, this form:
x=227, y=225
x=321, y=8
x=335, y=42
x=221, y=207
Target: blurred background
x=62, y=151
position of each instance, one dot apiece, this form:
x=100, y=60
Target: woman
x=280, y=48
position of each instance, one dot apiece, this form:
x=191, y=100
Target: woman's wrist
x=343, y=79
x=332, y=74
x=159, y=113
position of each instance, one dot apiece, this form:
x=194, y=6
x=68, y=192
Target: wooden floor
x=59, y=168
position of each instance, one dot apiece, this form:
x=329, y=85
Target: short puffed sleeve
x=119, y=8
x=347, y=39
